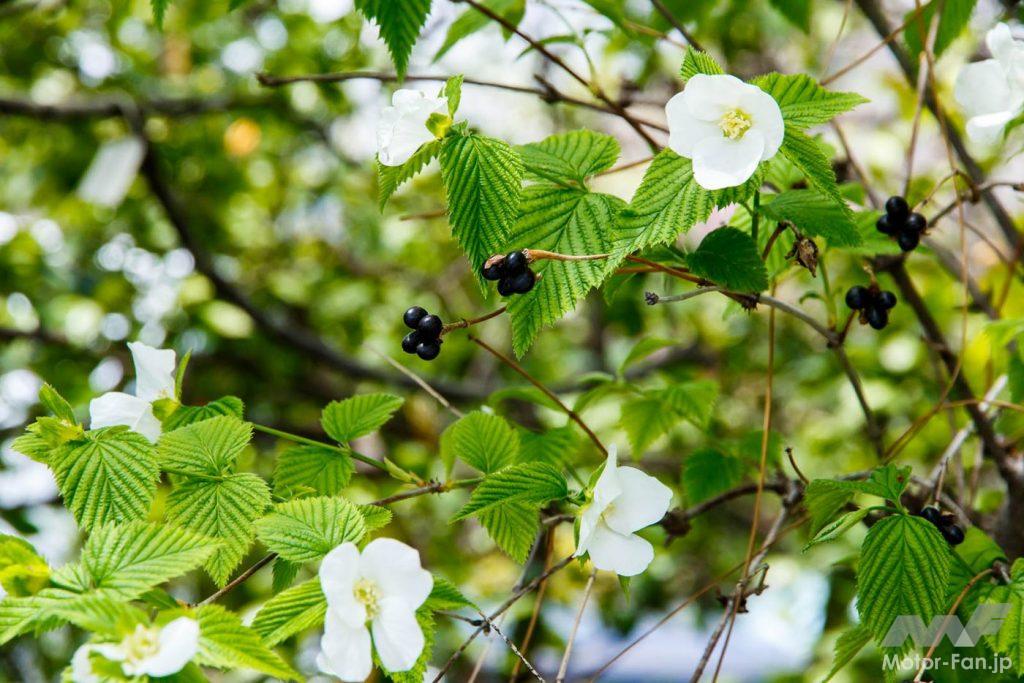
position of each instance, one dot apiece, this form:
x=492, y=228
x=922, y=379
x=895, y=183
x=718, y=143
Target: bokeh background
x=287, y=248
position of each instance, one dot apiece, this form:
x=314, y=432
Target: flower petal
x=397, y=635
x=154, y=371
x=81, y=665
x=685, y=130
x=345, y=650
x=179, y=641
x=709, y=97
x=626, y=555
x=118, y=408
x=986, y=129
x=402, y=128
x=643, y=502
x=766, y=119
x=982, y=88
x=395, y=568
x=721, y=162
x=339, y=572
x=606, y=490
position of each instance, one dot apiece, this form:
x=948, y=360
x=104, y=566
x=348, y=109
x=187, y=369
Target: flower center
x=141, y=644
x=367, y=593
x=735, y=123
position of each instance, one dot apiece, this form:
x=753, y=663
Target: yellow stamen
x=368, y=593
x=735, y=123
x=141, y=643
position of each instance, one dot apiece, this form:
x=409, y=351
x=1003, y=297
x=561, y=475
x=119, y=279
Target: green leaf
x=533, y=483
x=513, y=527
x=824, y=498
x=807, y=155
x=848, y=645
x=563, y=221
x=886, y=482
x=358, y=416
x=100, y=613
x=22, y=571
x=484, y=441
x=838, y=527
x=129, y=559
x=225, y=510
x=452, y=92
x=955, y=16
x=569, y=158
x=803, y=101
x=324, y=470
x=697, y=62
x=284, y=573
x=729, y=257
x=1015, y=376
x=187, y=415
x=400, y=25
x=903, y=570
x=553, y=446
x=471, y=21
x=708, y=472
x=33, y=446
x=390, y=178
x=613, y=10
x=814, y=214
x=483, y=179
x=108, y=476
x=291, y=611
x=445, y=596
x=375, y=516
x=309, y=528
x=224, y=643
x=1010, y=638
x=655, y=412
x=56, y=404
x=159, y=10
x=642, y=349
x=207, y=448
x=798, y=12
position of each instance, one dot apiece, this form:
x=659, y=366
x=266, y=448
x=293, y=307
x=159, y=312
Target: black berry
x=876, y=317
x=932, y=514
x=410, y=342
x=897, y=209
x=505, y=286
x=428, y=350
x=430, y=327
x=515, y=263
x=908, y=239
x=493, y=272
x=523, y=282
x=884, y=225
x=953, y=534
x=857, y=298
x=916, y=222
x=886, y=300
x=413, y=316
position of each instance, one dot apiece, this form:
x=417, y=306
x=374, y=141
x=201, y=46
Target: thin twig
x=564, y=666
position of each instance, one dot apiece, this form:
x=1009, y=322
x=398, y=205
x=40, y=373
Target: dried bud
x=805, y=252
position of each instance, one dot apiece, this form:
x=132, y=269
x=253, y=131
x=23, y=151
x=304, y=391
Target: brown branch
x=676, y=24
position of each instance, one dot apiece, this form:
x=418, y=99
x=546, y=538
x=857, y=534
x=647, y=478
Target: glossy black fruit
x=413, y=316
x=410, y=342
x=430, y=327
x=492, y=273
x=877, y=317
x=523, y=283
x=884, y=225
x=515, y=263
x=505, y=287
x=908, y=240
x=897, y=208
x=857, y=298
x=886, y=300
x=916, y=222
x=428, y=350
x=953, y=534
x=932, y=514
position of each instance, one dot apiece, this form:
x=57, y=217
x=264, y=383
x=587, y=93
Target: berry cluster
x=425, y=338
x=872, y=303
x=898, y=221
x=946, y=523
x=512, y=273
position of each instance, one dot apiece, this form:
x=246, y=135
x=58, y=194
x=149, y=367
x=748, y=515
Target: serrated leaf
x=446, y=596
x=390, y=178
x=533, y=483
x=708, y=472
x=159, y=10
x=553, y=446
x=824, y=498
x=563, y=221
x=903, y=570
x=33, y=446
x=848, y=645
x=807, y=155
x=129, y=559
x=697, y=62
x=284, y=573
x=1010, y=638
x=400, y=25
x=642, y=349
x=38, y=613
x=108, y=476
x=569, y=158
x=207, y=448
x=814, y=214
x=655, y=412
x=954, y=18
x=99, y=613
x=483, y=441
x=225, y=510
x=358, y=416
x=375, y=516
x=471, y=21
x=839, y=526
x=309, y=528
x=513, y=527
x=299, y=608
x=729, y=257
x=224, y=643
x=324, y=470
x=483, y=179
x=803, y=101
x=56, y=404
x=22, y=571
x=187, y=415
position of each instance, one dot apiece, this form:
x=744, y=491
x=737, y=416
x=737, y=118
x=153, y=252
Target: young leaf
x=324, y=470
x=445, y=596
x=299, y=608
x=697, y=62
x=484, y=441
x=22, y=571
x=225, y=510
x=400, y=25
x=359, y=415
x=838, y=527
x=848, y=645
x=729, y=257
x=803, y=101
x=390, y=178
x=708, y=472
x=224, y=643
x=207, y=448
x=471, y=21
x=129, y=559
x=533, y=483
x=309, y=528
x=108, y=476
x=569, y=158
x=375, y=516
x=903, y=570
x=187, y=415
x=814, y=214
x=824, y=498
x=56, y=404
x=482, y=178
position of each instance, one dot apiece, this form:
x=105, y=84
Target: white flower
x=726, y=126
x=154, y=380
x=625, y=500
x=379, y=592
x=402, y=128
x=146, y=651
x=991, y=92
